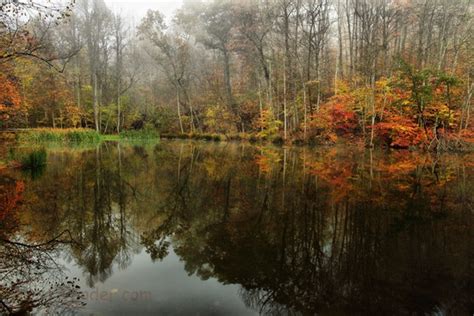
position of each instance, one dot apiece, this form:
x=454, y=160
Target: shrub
x=207, y=137
x=253, y=139
x=278, y=140
x=400, y=133
x=216, y=137
x=298, y=141
x=180, y=136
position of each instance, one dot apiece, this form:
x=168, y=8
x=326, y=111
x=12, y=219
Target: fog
x=138, y=9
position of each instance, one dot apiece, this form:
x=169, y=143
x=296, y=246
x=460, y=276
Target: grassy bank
x=51, y=135
x=27, y=149
x=133, y=136
x=88, y=137
x=78, y=136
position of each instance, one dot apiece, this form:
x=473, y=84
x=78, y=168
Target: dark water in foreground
x=231, y=229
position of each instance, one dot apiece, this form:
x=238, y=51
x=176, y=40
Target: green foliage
x=431, y=96
x=423, y=84
x=72, y=136
x=162, y=118
x=83, y=136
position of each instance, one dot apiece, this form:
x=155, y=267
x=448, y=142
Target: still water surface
x=184, y=228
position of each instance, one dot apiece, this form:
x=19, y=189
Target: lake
x=196, y=228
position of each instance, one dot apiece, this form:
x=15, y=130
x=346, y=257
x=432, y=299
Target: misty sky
x=138, y=8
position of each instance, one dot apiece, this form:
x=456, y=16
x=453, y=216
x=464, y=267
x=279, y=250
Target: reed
x=71, y=135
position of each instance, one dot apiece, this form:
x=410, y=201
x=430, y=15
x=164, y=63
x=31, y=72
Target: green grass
x=110, y=138
x=79, y=136
x=50, y=135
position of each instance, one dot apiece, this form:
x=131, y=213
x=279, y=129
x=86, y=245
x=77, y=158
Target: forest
x=391, y=73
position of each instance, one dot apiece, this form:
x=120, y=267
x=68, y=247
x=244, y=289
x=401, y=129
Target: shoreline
x=74, y=137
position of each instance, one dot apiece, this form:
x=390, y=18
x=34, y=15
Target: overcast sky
x=137, y=8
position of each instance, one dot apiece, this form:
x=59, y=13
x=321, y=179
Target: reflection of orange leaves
x=469, y=164
x=401, y=162
x=262, y=163
x=19, y=187
x=401, y=167
x=402, y=186
x=10, y=196
x=267, y=159
x=405, y=169
x=337, y=174
x=340, y=177
x=467, y=135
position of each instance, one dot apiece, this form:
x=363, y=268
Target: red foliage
x=335, y=118
x=401, y=132
x=344, y=121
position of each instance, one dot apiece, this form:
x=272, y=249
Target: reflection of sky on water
x=159, y=288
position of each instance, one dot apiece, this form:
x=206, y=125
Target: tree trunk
x=284, y=103
x=305, y=111
x=228, y=86
x=96, y=104
x=179, y=110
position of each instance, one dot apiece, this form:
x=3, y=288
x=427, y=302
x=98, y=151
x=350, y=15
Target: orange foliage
x=402, y=116
x=9, y=97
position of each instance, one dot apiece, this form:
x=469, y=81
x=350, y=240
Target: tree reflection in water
x=332, y=230
x=30, y=277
